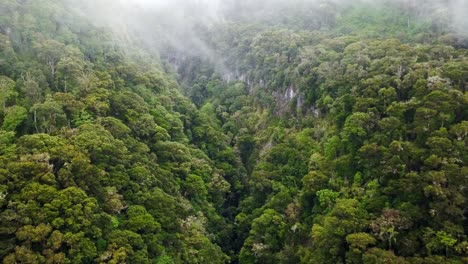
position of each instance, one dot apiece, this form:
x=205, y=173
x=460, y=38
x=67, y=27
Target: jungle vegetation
x=330, y=136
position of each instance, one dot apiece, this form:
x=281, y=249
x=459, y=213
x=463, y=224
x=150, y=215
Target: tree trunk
x=52, y=72
x=35, y=121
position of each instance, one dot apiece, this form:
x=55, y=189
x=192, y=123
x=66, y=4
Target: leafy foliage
x=330, y=141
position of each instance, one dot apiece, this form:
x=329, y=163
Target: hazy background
x=177, y=23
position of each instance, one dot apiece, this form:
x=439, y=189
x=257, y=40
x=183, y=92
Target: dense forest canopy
x=265, y=131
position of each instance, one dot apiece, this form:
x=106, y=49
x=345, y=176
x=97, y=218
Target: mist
x=459, y=11
x=177, y=24
x=154, y=23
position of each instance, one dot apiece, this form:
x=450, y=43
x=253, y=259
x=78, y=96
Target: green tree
x=386, y=227
x=48, y=117
x=265, y=238
x=50, y=52
x=7, y=86
x=14, y=117
x=358, y=244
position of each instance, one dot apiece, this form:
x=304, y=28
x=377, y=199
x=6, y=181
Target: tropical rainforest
x=315, y=132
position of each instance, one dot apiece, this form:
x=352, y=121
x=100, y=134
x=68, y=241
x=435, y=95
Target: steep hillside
x=331, y=133
x=102, y=159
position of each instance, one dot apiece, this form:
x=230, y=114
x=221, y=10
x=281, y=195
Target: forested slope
x=102, y=159
x=329, y=136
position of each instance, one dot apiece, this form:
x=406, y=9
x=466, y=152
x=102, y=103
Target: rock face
x=290, y=93
x=283, y=99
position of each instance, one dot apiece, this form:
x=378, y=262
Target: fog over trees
x=234, y=131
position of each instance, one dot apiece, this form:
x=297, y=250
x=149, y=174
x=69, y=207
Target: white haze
x=459, y=10
x=175, y=23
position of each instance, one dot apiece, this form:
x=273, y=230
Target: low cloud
x=175, y=23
